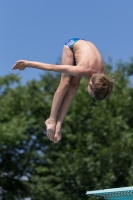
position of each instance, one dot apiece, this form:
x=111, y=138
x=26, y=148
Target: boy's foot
x=51, y=125
x=58, y=136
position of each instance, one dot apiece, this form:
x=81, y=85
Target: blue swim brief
x=71, y=43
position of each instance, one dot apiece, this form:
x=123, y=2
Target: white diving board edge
x=124, y=193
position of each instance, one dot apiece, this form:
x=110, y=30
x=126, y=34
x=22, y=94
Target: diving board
x=123, y=193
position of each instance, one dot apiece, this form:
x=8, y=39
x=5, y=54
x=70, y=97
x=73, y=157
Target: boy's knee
x=65, y=84
x=75, y=83
x=74, y=86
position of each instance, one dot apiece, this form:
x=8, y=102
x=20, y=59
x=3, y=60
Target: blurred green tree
x=94, y=153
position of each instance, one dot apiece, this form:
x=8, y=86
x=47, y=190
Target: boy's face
x=90, y=89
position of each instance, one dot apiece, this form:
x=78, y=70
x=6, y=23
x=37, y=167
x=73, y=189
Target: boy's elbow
x=80, y=73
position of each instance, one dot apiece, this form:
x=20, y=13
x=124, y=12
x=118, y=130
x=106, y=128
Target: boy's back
x=87, y=54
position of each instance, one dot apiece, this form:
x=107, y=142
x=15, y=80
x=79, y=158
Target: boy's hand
x=20, y=64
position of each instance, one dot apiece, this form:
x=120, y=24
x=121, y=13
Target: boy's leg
x=57, y=101
x=67, y=58
x=65, y=106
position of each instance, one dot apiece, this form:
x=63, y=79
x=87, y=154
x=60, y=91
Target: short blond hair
x=102, y=85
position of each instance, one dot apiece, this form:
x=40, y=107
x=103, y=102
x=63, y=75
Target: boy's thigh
x=67, y=56
x=67, y=59
x=66, y=78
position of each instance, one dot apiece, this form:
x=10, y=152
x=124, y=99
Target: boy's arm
x=78, y=71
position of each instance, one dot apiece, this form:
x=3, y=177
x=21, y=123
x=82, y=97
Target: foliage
x=96, y=148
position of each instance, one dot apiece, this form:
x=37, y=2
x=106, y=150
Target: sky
x=37, y=30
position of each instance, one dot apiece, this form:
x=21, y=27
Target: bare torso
x=87, y=55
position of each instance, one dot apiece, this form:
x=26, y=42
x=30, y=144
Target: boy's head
x=100, y=86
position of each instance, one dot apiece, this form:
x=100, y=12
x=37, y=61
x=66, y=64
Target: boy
x=80, y=58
